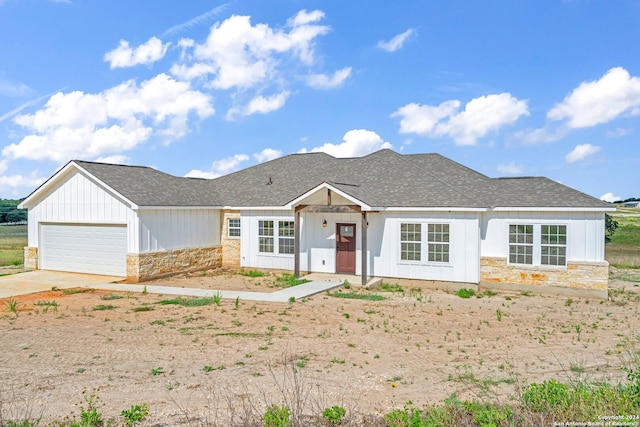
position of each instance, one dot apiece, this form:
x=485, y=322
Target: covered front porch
x=335, y=230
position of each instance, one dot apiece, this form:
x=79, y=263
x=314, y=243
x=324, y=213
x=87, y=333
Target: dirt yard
x=367, y=356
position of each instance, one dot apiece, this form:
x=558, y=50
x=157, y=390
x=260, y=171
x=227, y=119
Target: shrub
x=334, y=415
x=277, y=416
x=465, y=293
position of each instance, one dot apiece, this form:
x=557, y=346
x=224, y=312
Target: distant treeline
x=631, y=199
x=9, y=211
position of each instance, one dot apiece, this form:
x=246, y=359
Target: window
x=538, y=244
x=265, y=236
x=410, y=242
x=521, y=244
x=276, y=237
x=437, y=242
x=438, y=237
x=553, y=249
x=285, y=237
x=233, y=227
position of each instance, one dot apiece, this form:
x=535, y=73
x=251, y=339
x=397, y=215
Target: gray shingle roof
x=380, y=179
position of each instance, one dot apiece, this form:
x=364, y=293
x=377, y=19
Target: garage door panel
x=96, y=249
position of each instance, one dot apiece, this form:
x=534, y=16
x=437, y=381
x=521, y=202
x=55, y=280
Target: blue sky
x=203, y=88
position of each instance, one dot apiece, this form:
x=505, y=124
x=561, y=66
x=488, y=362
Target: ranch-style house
x=418, y=217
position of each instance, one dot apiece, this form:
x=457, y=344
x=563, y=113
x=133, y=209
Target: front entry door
x=346, y=248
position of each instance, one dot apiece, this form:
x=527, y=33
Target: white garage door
x=94, y=249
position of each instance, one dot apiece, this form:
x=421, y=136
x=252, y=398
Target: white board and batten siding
x=318, y=244
x=585, y=232
x=464, y=246
x=80, y=226
x=168, y=229
x=79, y=200
x=249, y=254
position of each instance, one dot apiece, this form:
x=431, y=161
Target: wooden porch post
x=364, y=249
x=296, y=244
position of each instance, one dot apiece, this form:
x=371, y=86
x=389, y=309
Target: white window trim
x=229, y=228
x=424, y=244
x=276, y=236
x=537, y=244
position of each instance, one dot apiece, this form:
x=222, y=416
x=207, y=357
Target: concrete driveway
x=43, y=280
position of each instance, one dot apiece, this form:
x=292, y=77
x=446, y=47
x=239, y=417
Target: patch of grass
x=188, y=302
x=355, y=295
x=12, y=305
x=103, y=307
x=465, y=293
x=142, y=308
x=13, y=239
x=390, y=287
x=288, y=280
x=111, y=297
x=251, y=273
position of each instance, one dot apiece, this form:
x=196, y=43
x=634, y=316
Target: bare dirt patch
x=368, y=356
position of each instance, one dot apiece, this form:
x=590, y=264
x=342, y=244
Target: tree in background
x=610, y=226
x=9, y=211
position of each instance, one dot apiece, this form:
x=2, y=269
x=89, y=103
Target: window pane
x=265, y=228
x=265, y=244
x=285, y=246
x=285, y=228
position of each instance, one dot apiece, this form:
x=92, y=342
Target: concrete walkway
x=41, y=280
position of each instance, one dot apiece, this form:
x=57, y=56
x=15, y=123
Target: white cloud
x=260, y=104
x=610, y=197
x=618, y=132
x=147, y=53
x=219, y=167
x=324, y=81
x=356, y=143
x=117, y=159
x=239, y=55
x=600, y=101
x=480, y=116
x=303, y=18
x=267, y=154
x=18, y=181
x=84, y=125
x=396, y=42
x=4, y=164
x=511, y=169
x=580, y=152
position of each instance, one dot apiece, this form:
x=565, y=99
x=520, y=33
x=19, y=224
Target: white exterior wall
x=585, y=232
x=249, y=255
x=80, y=200
x=464, y=245
x=168, y=229
x=318, y=244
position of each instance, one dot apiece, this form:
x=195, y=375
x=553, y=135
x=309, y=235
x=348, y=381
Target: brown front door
x=346, y=248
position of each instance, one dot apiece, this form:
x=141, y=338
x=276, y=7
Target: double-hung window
x=521, y=244
x=553, y=249
x=265, y=236
x=438, y=237
x=410, y=242
x=276, y=237
x=538, y=244
x=233, y=227
x=285, y=237
x=435, y=241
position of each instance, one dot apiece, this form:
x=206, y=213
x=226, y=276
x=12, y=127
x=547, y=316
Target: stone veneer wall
x=587, y=276
x=30, y=258
x=149, y=265
x=230, y=245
